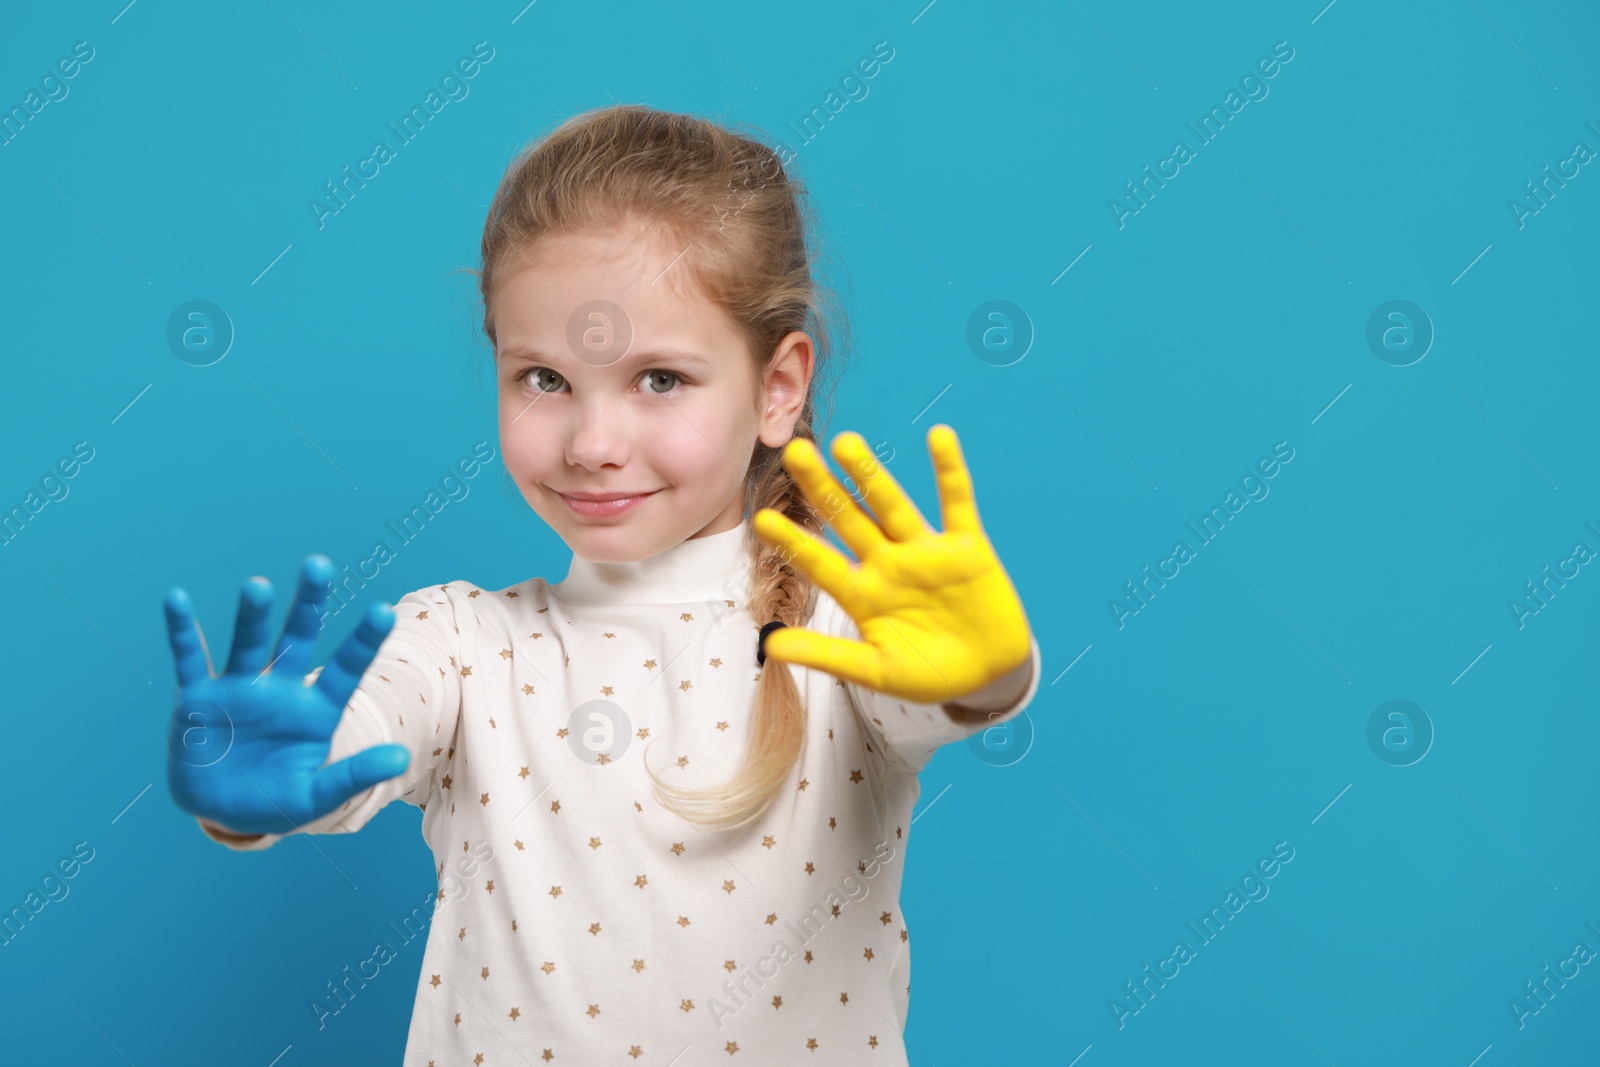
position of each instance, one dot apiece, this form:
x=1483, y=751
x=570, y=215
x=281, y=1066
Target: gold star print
x=462, y=936
x=803, y=783
x=722, y=725
x=768, y=841
x=510, y=594
x=685, y=685
x=381, y=676
x=683, y=920
x=594, y=1009
x=523, y=773
x=422, y=614
x=486, y=974
x=832, y=823
x=811, y=1042
x=505, y=653
x=649, y=664
x=637, y=806
x=543, y=610
x=603, y=758
x=638, y=965
x=855, y=776
x=513, y=926
x=686, y=617
x=527, y=689
x=830, y=733
x=727, y=602
x=640, y=881
x=898, y=832
x=548, y=968
x=731, y=1047
x=716, y=662
x=836, y=911
x=606, y=690
x=445, y=782
x=435, y=982
x=777, y=1002
x=886, y=918
x=562, y=732
x=608, y=635
x=490, y=887
x=728, y=885
x=902, y=933
x=465, y=671
x=729, y=965
x=810, y=869
x=844, y=998
x=868, y=954
x=437, y=750
x=536, y=636
x=484, y=800
x=771, y=919
x=808, y=955
x=555, y=891
x=686, y=1005
x=458, y=1018
x=872, y=1039
x=683, y=761
x=594, y=842
x=547, y=1057
x=594, y=928
x=635, y=1051
x=555, y=806
x=677, y=848
x=514, y=1013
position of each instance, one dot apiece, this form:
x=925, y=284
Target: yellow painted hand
x=938, y=615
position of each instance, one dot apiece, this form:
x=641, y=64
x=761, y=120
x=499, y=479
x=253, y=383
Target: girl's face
x=613, y=382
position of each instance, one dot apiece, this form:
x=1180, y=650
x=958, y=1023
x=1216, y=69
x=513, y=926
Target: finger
x=900, y=517
x=816, y=559
x=958, y=509
x=188, y=647
x=338, y=782
x=350, y=660
x=839, y=509
x=252, y=628
x=293, y=655
x=854, y=661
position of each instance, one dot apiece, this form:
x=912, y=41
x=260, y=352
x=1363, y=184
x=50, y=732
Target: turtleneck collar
x=697, y=569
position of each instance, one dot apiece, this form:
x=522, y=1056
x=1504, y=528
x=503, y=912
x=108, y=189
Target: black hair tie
x=761, y=642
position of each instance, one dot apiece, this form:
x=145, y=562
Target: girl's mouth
x=602, y=509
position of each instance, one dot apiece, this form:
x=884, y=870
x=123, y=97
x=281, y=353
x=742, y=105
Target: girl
x=678, y=782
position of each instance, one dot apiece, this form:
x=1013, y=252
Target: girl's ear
x=784, y=387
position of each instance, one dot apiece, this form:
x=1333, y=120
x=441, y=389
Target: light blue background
x=1226, y=316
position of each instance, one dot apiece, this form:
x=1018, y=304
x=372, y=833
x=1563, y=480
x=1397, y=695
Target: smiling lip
x=602, y=505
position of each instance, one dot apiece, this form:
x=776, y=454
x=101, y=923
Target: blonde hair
x=744, y=222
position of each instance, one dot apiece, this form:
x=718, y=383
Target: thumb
x=854, y=661
x=338, y=782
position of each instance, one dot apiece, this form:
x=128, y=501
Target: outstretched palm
x=245, y=749
x=938, y=615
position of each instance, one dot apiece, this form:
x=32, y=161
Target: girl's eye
x=537, y=372
x=676, y=378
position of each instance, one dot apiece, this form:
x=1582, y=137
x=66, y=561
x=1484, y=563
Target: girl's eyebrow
x=655, y=354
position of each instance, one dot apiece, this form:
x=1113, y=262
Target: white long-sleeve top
x=597, y=926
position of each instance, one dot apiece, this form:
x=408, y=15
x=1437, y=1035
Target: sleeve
x=911, y=733
x=409, y=695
